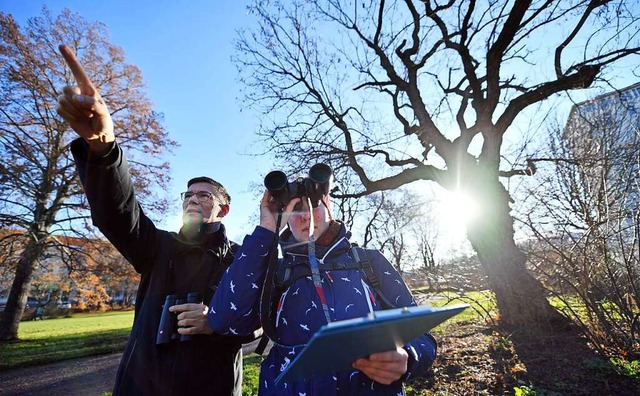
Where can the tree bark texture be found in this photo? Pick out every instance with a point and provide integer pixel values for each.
(20, 288)
(520, 297)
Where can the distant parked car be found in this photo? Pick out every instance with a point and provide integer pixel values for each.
(32, 302)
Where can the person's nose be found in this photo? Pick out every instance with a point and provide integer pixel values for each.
(193, 200)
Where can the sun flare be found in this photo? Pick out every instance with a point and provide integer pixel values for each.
(458, 209)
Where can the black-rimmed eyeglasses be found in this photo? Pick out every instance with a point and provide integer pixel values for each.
(203, 196)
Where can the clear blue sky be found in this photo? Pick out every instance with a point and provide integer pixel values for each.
(184, 49)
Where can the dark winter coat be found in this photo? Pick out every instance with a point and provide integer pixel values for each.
(206, 365)
(235, 310)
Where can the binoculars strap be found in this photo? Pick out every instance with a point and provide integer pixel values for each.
(315, 276)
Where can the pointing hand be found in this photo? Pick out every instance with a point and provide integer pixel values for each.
(83, 108)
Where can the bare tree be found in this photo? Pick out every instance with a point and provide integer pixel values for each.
(426, 244)
(40, 195)
(378, 88)
(585, 216)
(389, 226)
(399, 223)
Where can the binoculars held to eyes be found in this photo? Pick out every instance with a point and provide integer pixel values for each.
(314, 187)
(168, 328)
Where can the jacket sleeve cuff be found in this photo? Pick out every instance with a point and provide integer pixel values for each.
(80, 150)
(263, 235)
(411, 363)
(422, 352)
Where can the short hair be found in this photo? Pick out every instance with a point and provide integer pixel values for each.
(218, 189)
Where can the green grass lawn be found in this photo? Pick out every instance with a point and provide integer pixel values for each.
(481, 303)
(81, 335)
(51, 340)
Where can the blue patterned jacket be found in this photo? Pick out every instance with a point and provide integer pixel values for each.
(236, 304)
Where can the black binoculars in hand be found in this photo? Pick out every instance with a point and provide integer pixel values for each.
(168, 328)
(314, 187)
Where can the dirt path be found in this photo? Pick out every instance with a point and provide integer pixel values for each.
(87, 376)
(79, 377)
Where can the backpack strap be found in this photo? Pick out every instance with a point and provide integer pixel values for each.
(262, 344)
(366, 268)
(267, 304)
(298, 267)
(287, 271)
(271, 292)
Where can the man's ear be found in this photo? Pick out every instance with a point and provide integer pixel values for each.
(224, 210)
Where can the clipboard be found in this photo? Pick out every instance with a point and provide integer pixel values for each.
(337, 344)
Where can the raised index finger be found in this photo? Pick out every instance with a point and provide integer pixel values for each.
(85, 84)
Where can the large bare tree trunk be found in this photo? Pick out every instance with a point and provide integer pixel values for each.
(20, 290)
(520, 297)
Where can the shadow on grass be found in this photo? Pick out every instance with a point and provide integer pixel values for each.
(560, 363)
(479, 359)
(466, 365)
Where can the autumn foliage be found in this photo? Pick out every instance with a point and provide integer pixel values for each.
(40, 195)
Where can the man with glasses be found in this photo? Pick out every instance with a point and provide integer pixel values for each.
(170, 350)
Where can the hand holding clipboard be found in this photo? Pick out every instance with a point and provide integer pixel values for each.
(336, 345)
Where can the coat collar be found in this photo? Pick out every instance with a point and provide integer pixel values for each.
(211, 236)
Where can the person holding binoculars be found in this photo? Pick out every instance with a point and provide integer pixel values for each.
(321, 278)
(171, 349)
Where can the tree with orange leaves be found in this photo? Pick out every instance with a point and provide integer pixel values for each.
(40, 196)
